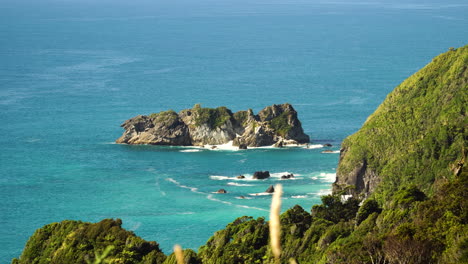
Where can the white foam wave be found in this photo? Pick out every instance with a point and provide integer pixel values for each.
(226, 146)
(211, 198)
(322, 192)
(299, 196)
(186, 213)
(190, 150)
(314, 146)
(244, 197)
(220, 178)
(238, 184)
(251, 207)
(260, 194)
(248, 177)
(328, 177)
(192, 189)
(331, 152)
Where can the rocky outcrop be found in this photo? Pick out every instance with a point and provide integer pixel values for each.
(275, 125)
(270, 189)
(165, 128)
(260, 175)
(287, 176)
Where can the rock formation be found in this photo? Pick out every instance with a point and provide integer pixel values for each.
(287, 176)
(260, 175)
(270, 189)
(274, 125)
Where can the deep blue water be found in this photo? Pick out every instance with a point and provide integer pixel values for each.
(71, 72)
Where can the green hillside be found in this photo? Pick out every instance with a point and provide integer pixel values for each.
(417, 135)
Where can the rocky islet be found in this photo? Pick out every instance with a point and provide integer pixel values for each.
(276, 125)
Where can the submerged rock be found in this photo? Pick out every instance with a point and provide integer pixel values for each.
(274, 125)
(240, 177)
(260, 175)
(221, 191)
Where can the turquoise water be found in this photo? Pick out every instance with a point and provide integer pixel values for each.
(71, 73)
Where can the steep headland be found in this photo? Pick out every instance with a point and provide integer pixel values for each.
(274, 125)
(405, 169)
(416, 136)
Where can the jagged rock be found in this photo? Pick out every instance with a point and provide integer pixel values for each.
(221, 191)
(279, 144)
(242, 146)
(260, 175)
(240, 177)
(276, 124)
(327, 145)
(165, 128)
(270, 189)
(287, 176)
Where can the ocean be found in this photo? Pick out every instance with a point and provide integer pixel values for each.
(71, 72)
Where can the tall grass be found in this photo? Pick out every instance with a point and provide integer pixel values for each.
(179, 254)
(275, 228)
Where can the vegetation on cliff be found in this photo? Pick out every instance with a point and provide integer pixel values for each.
(213, 117)
(417, 135)
(79, 242)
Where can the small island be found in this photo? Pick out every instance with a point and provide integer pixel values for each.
(275, 125)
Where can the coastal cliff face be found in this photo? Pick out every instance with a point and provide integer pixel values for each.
(276, 124)
(417, 135)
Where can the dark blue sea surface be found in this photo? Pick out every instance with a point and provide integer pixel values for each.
(72, 71)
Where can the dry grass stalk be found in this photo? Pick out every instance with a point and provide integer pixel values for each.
(275, 228)
(292, 261)
(179, 254)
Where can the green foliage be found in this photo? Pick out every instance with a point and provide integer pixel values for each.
(190, 257)
(78, 242)
(241, 117)
(369, 207)
(280, 124)
(334, 210)
(407, 196)
(213, 117)
(418, 134)
(242, 241)
(166, 117)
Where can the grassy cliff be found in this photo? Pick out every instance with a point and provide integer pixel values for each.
(416, 136)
